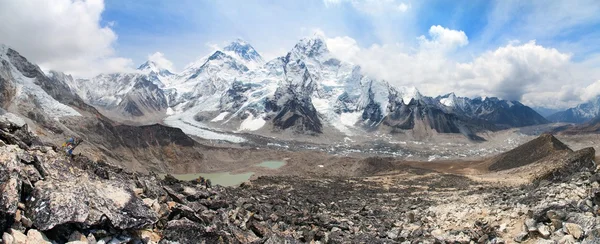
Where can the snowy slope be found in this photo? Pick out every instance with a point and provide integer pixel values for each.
(27, 92)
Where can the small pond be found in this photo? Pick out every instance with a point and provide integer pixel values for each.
(272, 164)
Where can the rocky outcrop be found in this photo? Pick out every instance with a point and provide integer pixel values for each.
(544, 146)
(48, 197)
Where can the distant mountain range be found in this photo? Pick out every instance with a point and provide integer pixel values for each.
(305, 91)
(580, 114)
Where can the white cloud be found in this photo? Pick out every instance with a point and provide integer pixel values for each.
(344, 47)
(444, 39)
(529, 72)
(512, 71)
(161, 61)
(62, 35)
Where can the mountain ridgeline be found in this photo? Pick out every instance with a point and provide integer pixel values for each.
(306, 91)
(582, 113)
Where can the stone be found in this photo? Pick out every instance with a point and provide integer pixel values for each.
(531, 225)
(148, 236)
(9, 200)
(393, 233)
(34, 236)
(19, 238)
(543, 230)
(26, 222)
(573, 229)
(77, 236)
(521, 237)
(86, 202)
(593, 235)
(186, 231)
(7, 238)
(568, 239)
(410, 216)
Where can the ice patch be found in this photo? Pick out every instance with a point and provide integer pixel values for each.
(321, 105)
(350, 119)
(220, 117)
(251, 123)
(170, 111)
(448, 102)
(198, 131)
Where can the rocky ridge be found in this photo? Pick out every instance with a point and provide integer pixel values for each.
(47, 197)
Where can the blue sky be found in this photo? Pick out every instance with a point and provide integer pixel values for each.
(543, 53)
(183, 30)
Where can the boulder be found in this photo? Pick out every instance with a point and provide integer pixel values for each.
(574, 230)
(34, 236)
(18, 237)
(186, 231)
(88, 202)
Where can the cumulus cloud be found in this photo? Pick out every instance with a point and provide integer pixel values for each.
(63, 35)
(161, 61)
(524, 71)
(344, 47)
(444, 39)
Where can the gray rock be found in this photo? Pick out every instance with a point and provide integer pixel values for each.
(521, 237)
(54, 203)
(543, 230)
(186, 231)
(574, 230)
(531, 225)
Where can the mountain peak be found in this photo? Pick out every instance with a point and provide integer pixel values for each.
(152, 67)
(449, 100)
(243, 50)
(312, 46)
(408, 93)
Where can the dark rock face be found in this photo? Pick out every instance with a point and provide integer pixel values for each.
(145, 96)
(298, 114)
(234, 97)
(544, 146)
(293, 110)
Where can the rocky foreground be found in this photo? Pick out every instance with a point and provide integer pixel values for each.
(47, 197)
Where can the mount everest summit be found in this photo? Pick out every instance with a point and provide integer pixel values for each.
(306, 91)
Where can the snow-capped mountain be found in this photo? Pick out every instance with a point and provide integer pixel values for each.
(499, 112)
(26, 88)
(124, 96)
(305, 91)
(579, 114)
